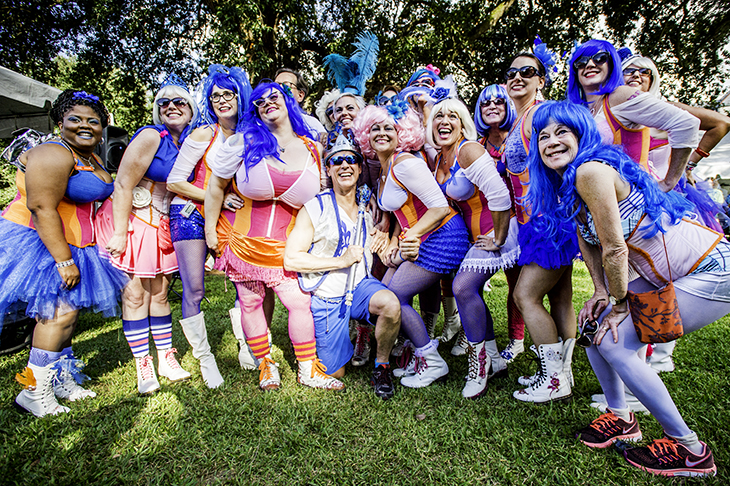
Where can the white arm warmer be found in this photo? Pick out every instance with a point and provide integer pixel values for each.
(483, 174)
(229, 158)
(414, 174)
(682, 127)
(190, 153)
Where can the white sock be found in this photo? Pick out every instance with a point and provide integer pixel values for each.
(622, 413)
(691, 442)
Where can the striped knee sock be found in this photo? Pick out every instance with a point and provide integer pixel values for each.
(138, 336)
(259, 345)
(161, 327)
(305, 351)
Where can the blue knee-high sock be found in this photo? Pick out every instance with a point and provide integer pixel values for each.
(161, 327)
(42, 358)
(138, 336)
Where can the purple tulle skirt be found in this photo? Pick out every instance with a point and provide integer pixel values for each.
(550, 253)
(445, 248)
(29, 278)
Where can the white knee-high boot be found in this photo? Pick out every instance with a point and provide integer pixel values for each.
(245, 357)
(552, 383)
(197, 335)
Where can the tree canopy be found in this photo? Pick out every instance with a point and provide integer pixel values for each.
(122, 50)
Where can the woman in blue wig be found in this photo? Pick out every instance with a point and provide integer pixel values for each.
(224, 94)
(49, 262)
(627, 221)
(274, 164)
(133, 229)
(546, 263)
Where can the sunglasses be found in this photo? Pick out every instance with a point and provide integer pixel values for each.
(598, 59)
(423, 83)
(338, 160)
(588, 330)
(225, 96)
(384, 100)
(525, 72)
(329, 111)
(642, 72)
(179, 102)
(495, 101)
(272, 98)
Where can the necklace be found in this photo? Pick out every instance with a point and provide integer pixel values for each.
(85, 159)
(596, 106)
(283, 149)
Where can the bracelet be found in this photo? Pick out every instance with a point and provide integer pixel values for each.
(402, 235)
(65, 263)
(701, 152)
(498, 245)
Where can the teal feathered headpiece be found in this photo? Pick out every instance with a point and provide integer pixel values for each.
(350, 75)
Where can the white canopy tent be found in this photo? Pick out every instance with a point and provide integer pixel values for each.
(24, 102)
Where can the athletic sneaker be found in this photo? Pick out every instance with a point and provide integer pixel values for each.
(607, 429)
(382, 382)
(667, 457)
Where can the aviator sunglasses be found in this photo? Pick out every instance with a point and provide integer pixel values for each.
(338, 160)
(179, 102)
(598, 59)
(589, 329)
(273, 97)
(225, 96)
(526, 72)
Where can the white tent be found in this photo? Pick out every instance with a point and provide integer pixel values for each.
(24, 102)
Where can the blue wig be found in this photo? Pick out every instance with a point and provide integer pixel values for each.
(494, 91)
(420, 72)
(615, 77)
(259, 142)
(233, 79)
(556, 199)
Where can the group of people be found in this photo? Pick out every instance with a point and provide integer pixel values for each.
(350, 217)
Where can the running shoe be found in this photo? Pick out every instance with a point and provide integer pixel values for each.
(667, 457)
(607, 429)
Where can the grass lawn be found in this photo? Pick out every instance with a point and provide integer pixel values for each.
(188, 434)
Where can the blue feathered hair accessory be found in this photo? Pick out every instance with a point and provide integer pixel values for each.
(350, 75)
(173, 80)
(444, 89)
(546, 57)
(397, 109)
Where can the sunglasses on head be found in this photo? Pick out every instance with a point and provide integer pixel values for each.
(525, 72)
(384, 100)
(642, 72)
(179, 102)
(598, 59)
(495, 101)
(338, 160)
(588, 330)
(225, 96)
(272, 98)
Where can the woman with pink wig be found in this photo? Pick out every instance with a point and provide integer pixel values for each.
(430, 239)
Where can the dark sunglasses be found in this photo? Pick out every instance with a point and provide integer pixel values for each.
(337, 160)
(384, 100)
(179, 102)
(589, 329)
(526, 72)
(226, 96)
(329, 111)
(642, 72)
(423, 83)
(273, 97)
(495, 101)
(598, 59)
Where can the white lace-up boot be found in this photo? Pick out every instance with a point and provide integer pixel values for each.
(146, 379)
(568, 347)
(429, 367)
(452, 321)
(38, 397)
(245, 357)
(361, 354)
(526, 380)
(479, 364)
(498, 367)
(552, 384)
(66, 384)
(429, 319)
(460, 345)
(513, 349)
(168, 366)
(312, 373)
(194, 330)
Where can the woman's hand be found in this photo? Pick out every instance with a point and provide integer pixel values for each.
(117, 245)
(593, 307)
(615, 316)
(211, 239)
(409, 247)
(486, 243)
(232, 202)
(379, 240)
(70, 276)
(389, 256)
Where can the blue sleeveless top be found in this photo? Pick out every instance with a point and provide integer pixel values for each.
(83, 185)
(515, 155)
(166, 154)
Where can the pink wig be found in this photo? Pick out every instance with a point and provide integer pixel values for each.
(409, 128)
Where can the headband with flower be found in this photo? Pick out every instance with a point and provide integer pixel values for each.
(85, 96)
(397, 109)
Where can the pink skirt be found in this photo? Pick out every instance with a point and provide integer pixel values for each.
(143, 256)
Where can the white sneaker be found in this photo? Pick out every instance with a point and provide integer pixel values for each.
(146, 379)
(460, 345)
(38, 397)
(168, 366)
(430, 367)
(312, 373)
(269, 378)
(66, 384)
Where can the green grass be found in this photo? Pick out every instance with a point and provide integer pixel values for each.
(188, 434)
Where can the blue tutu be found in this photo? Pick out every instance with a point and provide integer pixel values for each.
(445, 248)
(28, 277)
(550, 253)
